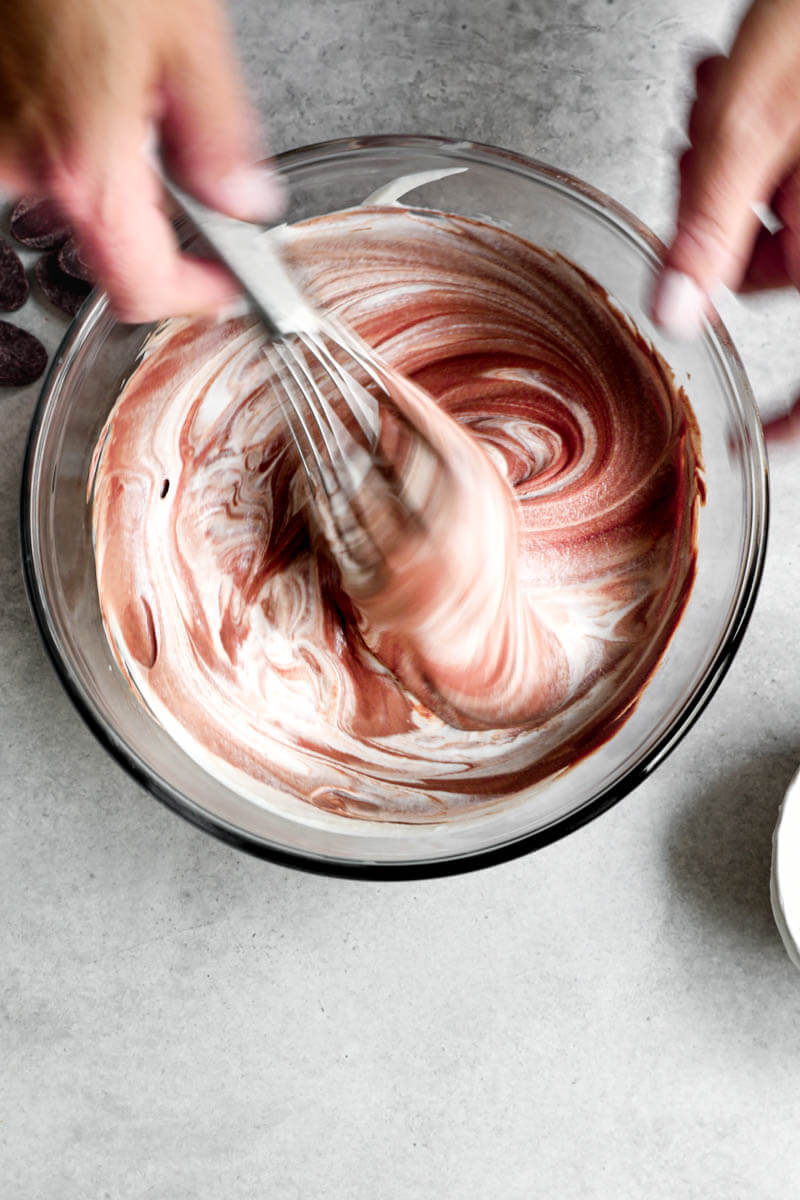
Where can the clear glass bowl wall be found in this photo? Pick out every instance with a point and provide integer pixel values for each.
(548, 208)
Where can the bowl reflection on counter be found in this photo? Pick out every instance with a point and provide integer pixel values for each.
(545, 207)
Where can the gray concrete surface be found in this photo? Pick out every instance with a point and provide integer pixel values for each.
(611, 1018)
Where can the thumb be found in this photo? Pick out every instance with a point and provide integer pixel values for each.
(209, 132)
(715, 233)
(743, 140)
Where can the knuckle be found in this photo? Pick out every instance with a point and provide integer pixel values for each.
(698, 122)
(708, 236)
(738, 126)
(754, 121)
(707, 247)
(132, 310)
(131, 302)
(707, 71)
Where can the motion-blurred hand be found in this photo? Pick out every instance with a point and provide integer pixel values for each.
(744, 133)
(83, 83)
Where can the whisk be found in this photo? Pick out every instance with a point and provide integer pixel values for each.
(369, 469)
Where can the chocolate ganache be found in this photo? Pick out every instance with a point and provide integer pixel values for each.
(522, 633)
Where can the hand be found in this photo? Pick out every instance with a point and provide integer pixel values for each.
(744, 132)
(83, 83)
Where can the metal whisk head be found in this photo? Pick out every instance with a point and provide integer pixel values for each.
(368, 468)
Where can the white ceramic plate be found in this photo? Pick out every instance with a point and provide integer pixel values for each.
(784, 889)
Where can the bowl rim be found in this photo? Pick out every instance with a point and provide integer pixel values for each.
(460, 862)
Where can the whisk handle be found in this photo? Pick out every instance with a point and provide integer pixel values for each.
(250, 253)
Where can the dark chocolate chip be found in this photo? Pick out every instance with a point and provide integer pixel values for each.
(13, 280)
(38, 224)
(61, 289)
(70, 261)
(23, 358)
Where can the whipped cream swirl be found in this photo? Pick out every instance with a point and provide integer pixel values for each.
(230, 619)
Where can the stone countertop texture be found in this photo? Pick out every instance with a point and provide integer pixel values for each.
(612, 1017)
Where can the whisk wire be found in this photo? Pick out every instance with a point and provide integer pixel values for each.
(363, 406)
(361, 495)
(334, 462)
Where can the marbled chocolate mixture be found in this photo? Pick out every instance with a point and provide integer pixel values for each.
(230, 619)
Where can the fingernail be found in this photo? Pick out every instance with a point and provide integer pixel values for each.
(252, 193)
(679, 305)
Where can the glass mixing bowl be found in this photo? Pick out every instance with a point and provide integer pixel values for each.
(548, 208)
